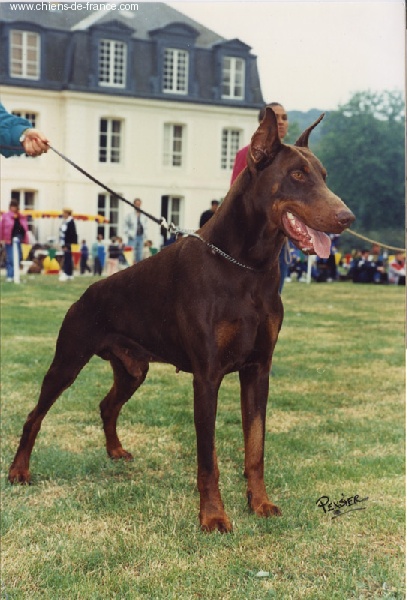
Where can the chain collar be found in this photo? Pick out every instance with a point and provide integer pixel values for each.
(218, 250)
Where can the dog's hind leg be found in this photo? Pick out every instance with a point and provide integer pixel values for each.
(128, 376)
(62, 373)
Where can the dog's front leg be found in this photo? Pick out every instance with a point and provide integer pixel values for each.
(212, 515)
(254, 383)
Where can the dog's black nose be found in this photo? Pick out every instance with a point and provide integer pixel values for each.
(345, 217)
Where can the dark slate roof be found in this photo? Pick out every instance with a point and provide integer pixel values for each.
(149, 16)
(69, 52)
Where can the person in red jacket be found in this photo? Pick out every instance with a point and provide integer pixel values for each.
(13, 225)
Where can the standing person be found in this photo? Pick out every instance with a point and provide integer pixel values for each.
(84, 258)
(67, 237)
(331, 262)
(17, 136)
(207, 214)
(241, 163)
(98, 255)
(135, 227)
(113, 251)
(13, 225)
(122, 258)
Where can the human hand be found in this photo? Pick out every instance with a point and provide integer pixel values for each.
(35, 143)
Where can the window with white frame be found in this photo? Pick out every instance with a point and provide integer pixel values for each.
(229, 148)
(110, 136)
(24, 54)
(25, 198)
(175, 76)
(112, 63)
(30, 116)
(233, 78)
(108, 206)
(173, 144)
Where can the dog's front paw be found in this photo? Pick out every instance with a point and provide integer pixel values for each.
(219, 523)
(16, 475)
(117, 453)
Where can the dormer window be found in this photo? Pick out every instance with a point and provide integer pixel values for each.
(176, 58)
(175, 76)
(112, 63)
(233, 78)
(24, 54)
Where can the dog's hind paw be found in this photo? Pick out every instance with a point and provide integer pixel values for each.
(267, 509)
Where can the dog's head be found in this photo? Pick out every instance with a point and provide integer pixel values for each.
(292, 191)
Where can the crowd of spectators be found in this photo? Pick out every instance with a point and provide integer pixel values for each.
(372, 265)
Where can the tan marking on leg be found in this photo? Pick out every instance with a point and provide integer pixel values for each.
(256, 490)
(254, 447)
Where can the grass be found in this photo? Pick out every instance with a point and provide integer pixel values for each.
(90, 528)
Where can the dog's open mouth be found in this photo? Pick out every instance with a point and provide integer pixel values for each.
(309, 240)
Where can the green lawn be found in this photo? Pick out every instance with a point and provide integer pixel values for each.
(89, 528)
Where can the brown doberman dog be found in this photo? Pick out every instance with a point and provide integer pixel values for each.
(208, 304)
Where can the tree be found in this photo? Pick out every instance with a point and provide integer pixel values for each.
(362, 147)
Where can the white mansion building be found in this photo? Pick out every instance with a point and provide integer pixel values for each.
(147, 100)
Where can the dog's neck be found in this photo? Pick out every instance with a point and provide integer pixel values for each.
(243, 231)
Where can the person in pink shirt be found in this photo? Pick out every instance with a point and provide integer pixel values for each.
(13, 225)
(282, 122)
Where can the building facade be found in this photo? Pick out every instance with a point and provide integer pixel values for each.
(146, 100)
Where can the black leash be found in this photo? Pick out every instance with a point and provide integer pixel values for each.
(170, 227)
(161, 221)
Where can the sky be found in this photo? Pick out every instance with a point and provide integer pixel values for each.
(314, 54)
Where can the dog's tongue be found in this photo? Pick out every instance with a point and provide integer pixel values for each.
(321, 242)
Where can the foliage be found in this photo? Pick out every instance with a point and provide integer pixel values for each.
(90, 528)
(299, 121)
(362, 147)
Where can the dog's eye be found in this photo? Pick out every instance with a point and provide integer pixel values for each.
(298, 175)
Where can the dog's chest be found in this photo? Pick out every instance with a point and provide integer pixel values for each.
(250, 328)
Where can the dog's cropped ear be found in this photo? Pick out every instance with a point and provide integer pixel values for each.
(302, 141)
(265, 142)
